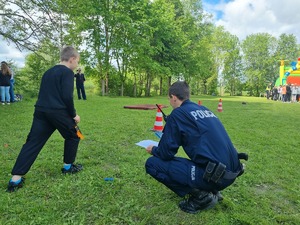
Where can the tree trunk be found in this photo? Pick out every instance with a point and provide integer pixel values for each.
(169, 82)
(122, 89)
(205, 87)
(107, 53)
(103, 87)
(160, 86)
(148, 85)
(134, 85)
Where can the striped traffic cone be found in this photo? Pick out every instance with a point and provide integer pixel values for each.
(220, 108)
(158, 124)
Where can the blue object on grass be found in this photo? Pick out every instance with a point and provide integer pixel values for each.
(108, 178)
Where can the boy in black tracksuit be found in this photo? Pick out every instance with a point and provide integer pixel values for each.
(54, 109)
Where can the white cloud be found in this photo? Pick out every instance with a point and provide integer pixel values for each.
(245, 17)
(8, 52)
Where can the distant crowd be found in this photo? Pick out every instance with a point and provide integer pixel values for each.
(289, 93)
(6, 84)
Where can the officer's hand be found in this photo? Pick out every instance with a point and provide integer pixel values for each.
(77, 119)
(149, 149)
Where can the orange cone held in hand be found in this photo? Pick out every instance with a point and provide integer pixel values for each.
(220, 108)
(158, 124)
(78, 132)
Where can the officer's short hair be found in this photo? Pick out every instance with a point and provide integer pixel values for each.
(180, 89)
(67, 53)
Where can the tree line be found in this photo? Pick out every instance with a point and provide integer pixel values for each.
(138, 48)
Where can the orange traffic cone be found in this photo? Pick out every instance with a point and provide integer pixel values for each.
(220, 108)
(199, 102)
(158, 124)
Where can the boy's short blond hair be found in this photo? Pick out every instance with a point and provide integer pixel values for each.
(67, 53)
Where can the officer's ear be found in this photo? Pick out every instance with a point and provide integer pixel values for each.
(174, 97)
(171, 97)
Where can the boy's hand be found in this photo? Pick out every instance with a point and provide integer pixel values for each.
(77, 119)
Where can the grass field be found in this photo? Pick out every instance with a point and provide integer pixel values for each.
(268, 192)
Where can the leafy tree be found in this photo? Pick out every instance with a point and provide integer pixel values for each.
(132, 47)
(128, 42)
(287, 48)
(227, 59)
(259, 50)
(196, 55)
(36, 64)
(110, 32)
(200, 68)
(164, 43)
(233, 68)
(27, 29)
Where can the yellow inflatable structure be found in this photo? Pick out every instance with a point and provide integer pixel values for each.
(294, 71)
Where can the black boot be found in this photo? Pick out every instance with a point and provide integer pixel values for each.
(219, 195)
(198, 201)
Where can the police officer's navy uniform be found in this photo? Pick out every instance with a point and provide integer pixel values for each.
(204, 139)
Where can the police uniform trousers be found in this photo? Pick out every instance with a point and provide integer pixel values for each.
(43, 125)
(181, 175)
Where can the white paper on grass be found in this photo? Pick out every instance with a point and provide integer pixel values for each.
(146, 143)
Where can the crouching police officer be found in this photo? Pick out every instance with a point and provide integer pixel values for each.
(213, 162)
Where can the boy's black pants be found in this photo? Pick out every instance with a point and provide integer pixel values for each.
(43, 125)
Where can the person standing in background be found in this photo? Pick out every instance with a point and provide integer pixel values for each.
(5, 76)
(288, 93)
(280, 93)
(275, 93)
(294, 93)
(283, 92)
(298, 94)
(12, 86)
(268, 91)
(80, 84)
(12, 83)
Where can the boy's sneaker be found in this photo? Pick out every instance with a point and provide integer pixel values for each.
(13, 186)
(75, 168)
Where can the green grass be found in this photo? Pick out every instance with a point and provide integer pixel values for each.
(268, 192)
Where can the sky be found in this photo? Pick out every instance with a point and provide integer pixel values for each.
(246, 17)
(239, 17)
(8, 52)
